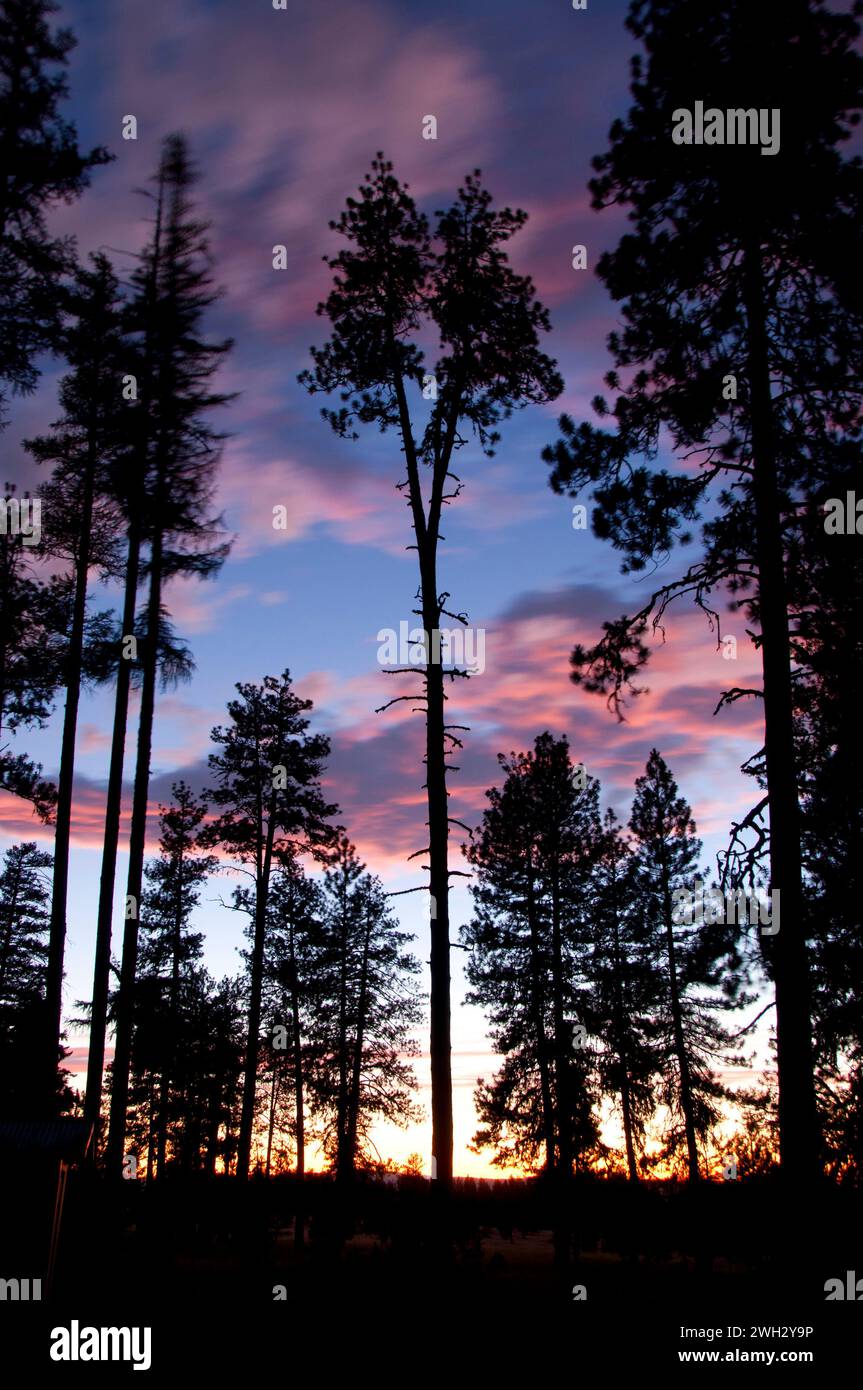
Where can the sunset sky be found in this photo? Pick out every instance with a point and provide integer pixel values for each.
(284, 110)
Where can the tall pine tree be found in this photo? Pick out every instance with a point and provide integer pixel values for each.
(534, 855)
(184, 535)
(267, 786)
(366, 1010)
(81, 523)
(696, 962)
(24, 926)
(392, 285)
(741, 338)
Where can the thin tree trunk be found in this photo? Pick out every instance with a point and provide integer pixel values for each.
(539, 1026)
(272, 1122)
(626, 1106)
(151, 1129)
(137, 842)
(679, 1039)
(250, 1079)
(8, 573)
(626, 1097)
(440, 1045)
(113, 807)
(63, 820)
(622, 1052)
(561, 1057)
(356, 1078)
(171, 1025)
(162, 1126)
(342, 1103)
(299, 1103)
(798, 1119)
(562, 1233)
(212, 1134)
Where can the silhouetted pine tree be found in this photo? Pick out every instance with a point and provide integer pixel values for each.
(24, 927)
(827, 572)
(391, 283)
(80, 524)
(170, 948)
(366, 1009)
(268, 786)
(184, 536)
(42, 166)
(696, 960)
(534, 855)
(293, 951)
(208, 1083)
(742, 310)
(206, 1067)
(32, 626)
(129, 478)
(624, 977)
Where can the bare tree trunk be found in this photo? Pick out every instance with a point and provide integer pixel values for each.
(679, 1039)
(102, 962)
(798, 1118)
(356, 1078)
(137, 841)
(299, 1097)
(537, 1010)
(427, 532)
(167, 1077)
(562, 1087)
(212, 1135)
(342, 1102)
(299, 1109)
(250, 1078)
(151, 1129)
(440, 1045)
(162, 1124)
(272, 1123)
(63, 821)
(622, 1053)
(626, 1106)
(561, 1051)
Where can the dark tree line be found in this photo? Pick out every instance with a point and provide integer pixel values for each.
(595, 990)
(327, 985)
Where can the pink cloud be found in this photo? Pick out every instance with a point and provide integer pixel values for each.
(376, 769)
(354, 507)
(376, 772)
(292, 109)
(198, 606)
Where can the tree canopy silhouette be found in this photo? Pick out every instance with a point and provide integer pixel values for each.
(741, 338)
(393, 283)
